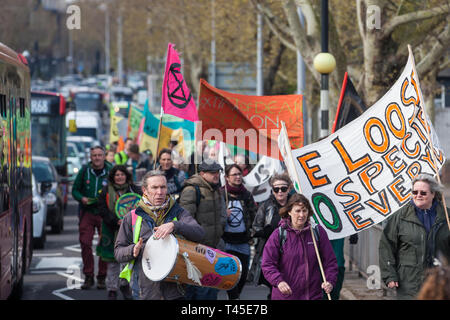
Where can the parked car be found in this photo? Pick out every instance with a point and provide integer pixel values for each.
(50, 188)
(84, 144)
(75, 159)
(39, 217)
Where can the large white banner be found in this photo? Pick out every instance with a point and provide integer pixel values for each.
(257, 181)
(361, 174)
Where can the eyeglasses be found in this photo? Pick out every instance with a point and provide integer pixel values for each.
(422, 193)
(235, 175)
(278, 189)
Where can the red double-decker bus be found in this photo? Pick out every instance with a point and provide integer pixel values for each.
(15, 172)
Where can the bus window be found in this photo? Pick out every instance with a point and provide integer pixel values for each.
(44, 141)
(48, 138)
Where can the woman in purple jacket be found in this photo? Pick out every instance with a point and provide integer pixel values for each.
(294, 271)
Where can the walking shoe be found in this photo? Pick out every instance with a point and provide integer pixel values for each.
(112, 295)
(126, 291)
(101, 282)
(88, 282)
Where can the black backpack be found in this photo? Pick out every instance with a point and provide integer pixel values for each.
(283, 232)
(198, 195)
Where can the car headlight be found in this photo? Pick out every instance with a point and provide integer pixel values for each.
(75, 170)
(36, 204)
(50, 198)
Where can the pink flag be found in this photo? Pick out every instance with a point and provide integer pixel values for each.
(176, 97)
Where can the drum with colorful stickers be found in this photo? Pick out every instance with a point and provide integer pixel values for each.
(126, 203)
(182, 261)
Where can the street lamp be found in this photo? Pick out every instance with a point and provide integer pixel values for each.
(104, 7)
(324, 63)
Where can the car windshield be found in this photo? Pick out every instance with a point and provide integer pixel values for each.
(122, 96)
(71, 151)
(42, 171)
(82, 145)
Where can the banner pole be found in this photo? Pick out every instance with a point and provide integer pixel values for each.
(289, 155)
(222, 145)
(319, 259)
(159, 136)
(429, 135)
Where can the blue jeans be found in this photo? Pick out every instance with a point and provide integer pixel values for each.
(201, 293)
(135, 284)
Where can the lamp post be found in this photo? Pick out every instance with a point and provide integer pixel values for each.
(259, 57)
(213, 44)
(119, 47)
(301, 86)
(104, 7)
(324, 63)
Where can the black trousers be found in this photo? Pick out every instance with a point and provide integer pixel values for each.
(245, 260)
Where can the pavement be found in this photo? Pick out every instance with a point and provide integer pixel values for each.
(356, 287)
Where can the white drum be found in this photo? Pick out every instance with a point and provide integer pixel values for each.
(159, 257)
(184, 261)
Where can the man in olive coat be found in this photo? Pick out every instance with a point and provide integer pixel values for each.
(201, 196)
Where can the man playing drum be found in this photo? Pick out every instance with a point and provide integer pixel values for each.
(160, 216)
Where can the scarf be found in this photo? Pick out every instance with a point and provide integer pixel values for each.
(156, 213)
(114, 192)
(427, 216)
(236, 190)
(170, 173)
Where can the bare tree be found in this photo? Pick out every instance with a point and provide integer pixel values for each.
(381, 49)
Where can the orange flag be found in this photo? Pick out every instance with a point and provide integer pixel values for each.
(249, 122)
(120, 144)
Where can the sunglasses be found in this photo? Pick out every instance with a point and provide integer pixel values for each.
(278, 189)
(422, 193)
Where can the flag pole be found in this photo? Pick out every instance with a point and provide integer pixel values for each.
(429, 136)
(289, 155)
(318, 258)
(194, 158)
(159, 136)
(224, 166)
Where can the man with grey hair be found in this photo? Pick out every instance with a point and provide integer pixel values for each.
(86, 188)
(413, 238)
(157, 215)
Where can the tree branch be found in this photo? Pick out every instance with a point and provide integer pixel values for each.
(312, 25)
(437, 51)
(390, 26)
(274, 20)
(362, 33)
(289, 44)
(308, 50)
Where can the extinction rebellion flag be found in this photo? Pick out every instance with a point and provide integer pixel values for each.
(361, 174)
(176, 97)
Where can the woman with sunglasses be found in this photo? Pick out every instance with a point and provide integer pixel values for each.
(266, 221)
(413, 238)
(240, 214)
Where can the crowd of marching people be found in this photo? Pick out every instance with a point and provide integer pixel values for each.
(293, 256)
